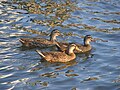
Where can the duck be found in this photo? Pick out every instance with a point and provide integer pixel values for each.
(84, 47)
(58, 56)
(41, 42)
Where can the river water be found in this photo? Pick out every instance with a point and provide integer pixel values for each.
(21, 68)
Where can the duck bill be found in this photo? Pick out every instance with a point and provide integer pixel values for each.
(93, 40)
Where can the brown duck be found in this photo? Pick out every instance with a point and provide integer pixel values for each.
(41, 42)
(59, 56)
(84, 48)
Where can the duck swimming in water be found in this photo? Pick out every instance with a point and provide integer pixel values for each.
(58, 56)
(41, 42)
(83, 47)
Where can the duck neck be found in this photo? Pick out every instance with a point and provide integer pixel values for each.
(53, 37)
(86, 42)
(70, 51)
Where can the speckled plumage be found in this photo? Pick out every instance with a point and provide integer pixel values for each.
(59, 56)
(40, 42)
(85, 47)
(36, 42)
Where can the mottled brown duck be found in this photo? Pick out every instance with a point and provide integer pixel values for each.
(41, 42)
(58, 56)
(83, 47)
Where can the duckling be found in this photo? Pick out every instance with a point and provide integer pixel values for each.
(59, 56)
(84, 48)
(41, 42)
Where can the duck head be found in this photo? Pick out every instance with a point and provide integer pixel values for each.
(71, 48)
(54, 34)
(88, 39)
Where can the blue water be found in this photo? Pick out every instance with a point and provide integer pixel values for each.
(21, 68)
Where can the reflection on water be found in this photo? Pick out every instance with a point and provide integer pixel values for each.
(22, 68)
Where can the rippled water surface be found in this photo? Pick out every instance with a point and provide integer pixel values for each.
(21, 68)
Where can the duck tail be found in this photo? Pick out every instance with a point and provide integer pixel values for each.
(22, 40)
(40, 53)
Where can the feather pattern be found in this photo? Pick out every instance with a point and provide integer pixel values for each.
(40, 42)
(84, 47)
(59, 56)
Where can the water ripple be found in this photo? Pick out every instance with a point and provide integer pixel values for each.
(22, 68)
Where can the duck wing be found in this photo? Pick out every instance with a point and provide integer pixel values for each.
(36, 42)
(84, 48)
(57, 57)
